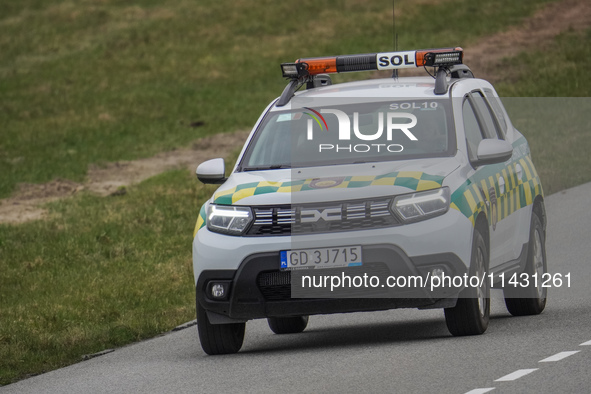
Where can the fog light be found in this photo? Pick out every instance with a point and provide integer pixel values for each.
(218, 290)
(438, 272)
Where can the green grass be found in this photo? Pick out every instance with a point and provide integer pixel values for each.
(100, 273)
(92, 82)
(557, 71)
(547, 97)
(557, 129)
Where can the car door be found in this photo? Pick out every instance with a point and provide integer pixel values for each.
(514, 200)
(494, 181)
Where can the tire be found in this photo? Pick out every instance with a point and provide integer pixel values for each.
(530, 300)
(471, 314)
(219, 338)
(288, 325)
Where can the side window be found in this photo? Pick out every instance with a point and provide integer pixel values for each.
(472, 129)
(497, 108)
(490, 125)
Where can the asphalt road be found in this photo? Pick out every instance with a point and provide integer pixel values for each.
(399, 351)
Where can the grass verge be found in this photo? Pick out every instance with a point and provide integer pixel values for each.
(547, 97)
(100, 273)
(96, 82)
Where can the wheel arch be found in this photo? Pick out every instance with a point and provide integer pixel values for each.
(540, 210)
(481, 225)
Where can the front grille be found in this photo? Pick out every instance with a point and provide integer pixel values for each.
(321, 218)
(276, 285)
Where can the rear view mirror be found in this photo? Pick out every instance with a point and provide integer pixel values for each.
(493, 151)
(212, 171)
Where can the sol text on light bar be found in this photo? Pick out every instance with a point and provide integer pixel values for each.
(442, 57)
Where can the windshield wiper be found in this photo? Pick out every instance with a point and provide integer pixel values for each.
(365, 161)
(272, 167)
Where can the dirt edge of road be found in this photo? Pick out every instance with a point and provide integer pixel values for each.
(26, 203)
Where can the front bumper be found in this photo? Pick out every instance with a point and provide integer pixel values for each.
(258, 289)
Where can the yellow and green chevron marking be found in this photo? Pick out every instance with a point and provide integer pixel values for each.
(414, 180)
(200, 220)
(470, 199)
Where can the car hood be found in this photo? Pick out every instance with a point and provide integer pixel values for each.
(334, 183)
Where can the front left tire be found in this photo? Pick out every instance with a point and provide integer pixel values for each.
(219, 338)
(471, 314)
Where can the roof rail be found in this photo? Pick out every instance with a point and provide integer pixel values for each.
(457, 71)
(318, 81)
(314, 81)
(289, 91)
(460, 71)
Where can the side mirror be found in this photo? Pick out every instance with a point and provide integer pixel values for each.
(212, 171)
(492, 151)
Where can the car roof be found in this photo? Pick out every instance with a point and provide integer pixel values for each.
(385, 88)
(404, 87)
(408, 87)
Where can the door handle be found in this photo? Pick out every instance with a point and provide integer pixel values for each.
(519, 171)
(502, 185)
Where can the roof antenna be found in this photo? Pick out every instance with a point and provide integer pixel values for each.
(395, 36)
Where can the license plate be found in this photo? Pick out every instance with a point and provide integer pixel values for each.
(343, 256)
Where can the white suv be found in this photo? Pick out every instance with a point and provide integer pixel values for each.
(419, 184)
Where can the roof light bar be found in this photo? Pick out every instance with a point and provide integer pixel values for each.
(443, 59)
(373, 61)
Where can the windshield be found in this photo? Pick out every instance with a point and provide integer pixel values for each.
(352, 133)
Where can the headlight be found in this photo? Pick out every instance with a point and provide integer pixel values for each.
(421, 205)
(228, 219)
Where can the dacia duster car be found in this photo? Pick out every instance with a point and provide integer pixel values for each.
(421, 178)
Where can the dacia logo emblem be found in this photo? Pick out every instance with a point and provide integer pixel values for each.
(314, 215)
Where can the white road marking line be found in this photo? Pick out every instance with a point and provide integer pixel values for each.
(480, 391)
(522, 372)
(516, 375)
(559, 356)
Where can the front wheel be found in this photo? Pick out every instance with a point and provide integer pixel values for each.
(530, 300)
(471, 314)
(288, 325)
(219, 338)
